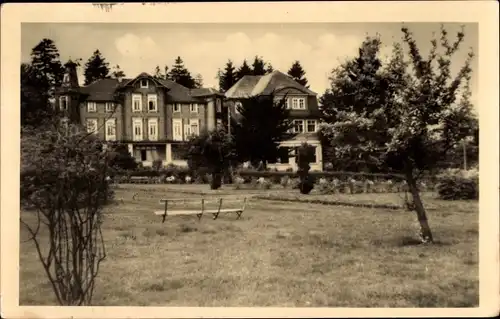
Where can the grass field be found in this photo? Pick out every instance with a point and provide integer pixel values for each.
(278, 254)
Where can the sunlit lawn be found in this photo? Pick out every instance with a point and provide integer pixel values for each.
(277, 254)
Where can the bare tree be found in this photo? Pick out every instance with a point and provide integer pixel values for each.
(63, 191)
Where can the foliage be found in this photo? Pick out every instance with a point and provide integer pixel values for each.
(117, 72)
(120, 158)
(243, 70)
(181, 75)
(263, 123)
(259, 67)
(212, 150)
(227, 78)
(459, 185)
(64, 179)
(39, 79)
(96, 68)
(402, 116)
(159, 75)
(198, 80)
(304, 157)
(298, 74)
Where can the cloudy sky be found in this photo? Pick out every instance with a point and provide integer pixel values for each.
(206, 47)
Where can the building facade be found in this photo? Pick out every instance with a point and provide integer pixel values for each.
(304, 112)
(154, 117)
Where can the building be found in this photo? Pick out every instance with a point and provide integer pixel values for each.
(153, 116)
(304, 112)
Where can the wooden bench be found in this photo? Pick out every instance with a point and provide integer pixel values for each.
(225, 205)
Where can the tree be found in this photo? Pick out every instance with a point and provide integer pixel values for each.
(120, 157)
(63, 191)
(96, 68)
(258, 66)
(263, 123)
(243, 70)
(213, 150)
(117, 72)
(198, 81)
(403, 116)
(227, 78)
(180, 74)
(157, 74)
(298, 73)
(269, 68)
(39, 79)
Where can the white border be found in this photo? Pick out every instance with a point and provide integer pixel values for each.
(483, 12)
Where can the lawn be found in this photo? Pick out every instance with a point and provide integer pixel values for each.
(278, 254)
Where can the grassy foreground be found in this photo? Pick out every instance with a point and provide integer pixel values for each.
(278, 254)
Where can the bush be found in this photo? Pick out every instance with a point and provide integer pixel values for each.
(458, 185)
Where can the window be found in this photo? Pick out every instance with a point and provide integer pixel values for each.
(177, 107)
(311, 126)
(187, 132)
(302, 103)
(110, 107)
(194, 108)
(177, 129)
(195, 127)
(66, 78)
(219, 123)
(137, 129)
(63, 103)
(219, 105)
(298, 126)
(287, 103)
(144, 83)
(136, 103)
(152, 103)
(153, 129)
(91, 126)
(110, 130)
(91, 107)
(144, 155)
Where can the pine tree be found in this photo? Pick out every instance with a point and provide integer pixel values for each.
(198, 81)
(96, 68)
(227, 78)
(157, 74)
(258, 66)
(298, 73)
(269, 68)
(263, 123)
(117, 72)
(243, 70)
(39, 79)
(181, 75)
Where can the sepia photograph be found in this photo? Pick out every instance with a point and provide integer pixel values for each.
(249, 164)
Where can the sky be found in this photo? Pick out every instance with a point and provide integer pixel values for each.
(206, 47)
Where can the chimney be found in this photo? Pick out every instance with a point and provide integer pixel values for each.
(119, 78)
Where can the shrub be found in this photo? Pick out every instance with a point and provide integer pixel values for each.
(458, 185)
(284, 181)
(305, 154)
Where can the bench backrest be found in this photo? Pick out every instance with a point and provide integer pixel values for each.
(204, 203)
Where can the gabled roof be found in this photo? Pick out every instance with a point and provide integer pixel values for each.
(252, 85)
(104, 89)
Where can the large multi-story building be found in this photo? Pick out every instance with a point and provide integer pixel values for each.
(304, 112)
(153, 116)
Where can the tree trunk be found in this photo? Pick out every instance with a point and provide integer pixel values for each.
(425, 230)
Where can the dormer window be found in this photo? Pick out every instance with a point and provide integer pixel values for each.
(65, 78)
(237, 106)
(144, 83)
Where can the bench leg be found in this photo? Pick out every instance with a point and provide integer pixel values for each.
(239, 214)
(215, 215)
(199, 216)
(164, 217)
